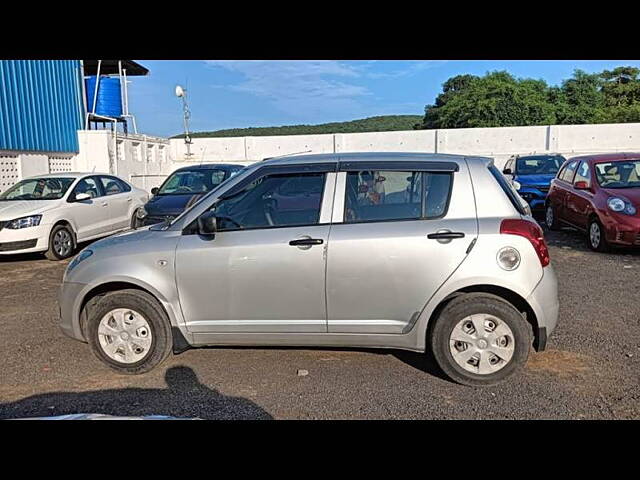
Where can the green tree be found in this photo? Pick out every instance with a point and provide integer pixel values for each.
(579, 99)
(495, 100)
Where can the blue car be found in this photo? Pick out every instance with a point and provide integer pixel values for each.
(534, 174)
(181, 190)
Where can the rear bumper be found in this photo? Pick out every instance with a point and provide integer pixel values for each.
(545, 304)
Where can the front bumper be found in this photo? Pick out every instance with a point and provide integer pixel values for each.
(24, 240)
(534, 197)
(623, 230)
(68, 304)
(545, 304)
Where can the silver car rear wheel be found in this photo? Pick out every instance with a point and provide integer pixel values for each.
(125, 335)
(482, 344)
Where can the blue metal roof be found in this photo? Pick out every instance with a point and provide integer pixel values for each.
(41, 105)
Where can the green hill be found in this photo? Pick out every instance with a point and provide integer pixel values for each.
(384, 123)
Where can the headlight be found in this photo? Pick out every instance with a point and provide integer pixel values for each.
(141, 213)
(83, 255)
(24, 222)
(621, 206)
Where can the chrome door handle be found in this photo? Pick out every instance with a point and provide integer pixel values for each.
(129, 199)
(301, 242)
(445, 235)
(105, 204)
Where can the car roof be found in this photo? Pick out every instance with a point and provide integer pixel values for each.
(69, 175)
(608, 157)
(365, 157)
(210, 166)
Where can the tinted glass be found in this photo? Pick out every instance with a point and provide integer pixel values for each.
(87, 185)
(38, 189)
(583, 174)
(508, 189)
(273, 201)
(111, 186)
(384, 195)
(192, 181)
(539, 165)
(567, 174)
(618, 174)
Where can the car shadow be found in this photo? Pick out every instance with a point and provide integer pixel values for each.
(184, 397)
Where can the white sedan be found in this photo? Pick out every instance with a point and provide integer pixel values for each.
(53, 213)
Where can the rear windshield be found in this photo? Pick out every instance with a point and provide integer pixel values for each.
(508, 190)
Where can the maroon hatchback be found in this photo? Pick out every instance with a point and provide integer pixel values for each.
(600, 195)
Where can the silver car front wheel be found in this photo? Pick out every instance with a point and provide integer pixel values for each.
(125, 335)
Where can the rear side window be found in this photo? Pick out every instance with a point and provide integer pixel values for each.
(508, 190)
(373, 196)
(583, 174)
(567, 174)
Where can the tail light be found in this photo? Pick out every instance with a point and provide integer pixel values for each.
(532, 232)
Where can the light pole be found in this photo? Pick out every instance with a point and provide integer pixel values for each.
(182, 93)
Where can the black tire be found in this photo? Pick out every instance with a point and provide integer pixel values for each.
(479, 303)
(550, 212)
(135, 222)
(57, 251)
(147, 306)
(602, 245)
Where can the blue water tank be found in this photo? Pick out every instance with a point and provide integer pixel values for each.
(109, 98)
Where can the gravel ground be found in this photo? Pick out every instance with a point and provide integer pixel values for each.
(590, 369)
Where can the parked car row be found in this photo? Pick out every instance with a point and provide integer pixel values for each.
(596, 194)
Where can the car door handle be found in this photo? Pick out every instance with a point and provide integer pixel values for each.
(105, 204)
(301, 242)
(129, 199)
(445, 235)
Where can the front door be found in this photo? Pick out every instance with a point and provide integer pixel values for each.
(401, 237)
(91, 217)
(264, 271)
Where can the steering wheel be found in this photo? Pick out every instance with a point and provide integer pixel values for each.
(185, 189)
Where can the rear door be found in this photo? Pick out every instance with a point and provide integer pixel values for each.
(578, 204)
(564, 185)
(118, 195)
(399, 230)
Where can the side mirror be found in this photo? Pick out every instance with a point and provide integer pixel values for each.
(507, 171)
(154, 190)
(81, 197)
(207, 224)
(581, 185)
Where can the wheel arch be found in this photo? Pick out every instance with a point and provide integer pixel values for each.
(511, 297)
(98, 291)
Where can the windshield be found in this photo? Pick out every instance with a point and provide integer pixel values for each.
(38, 189)
(618, 174)
(539, 165)
(191, 181)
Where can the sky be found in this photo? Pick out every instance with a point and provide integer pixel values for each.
(264, 93)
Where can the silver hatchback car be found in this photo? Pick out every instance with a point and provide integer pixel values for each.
(422, 252)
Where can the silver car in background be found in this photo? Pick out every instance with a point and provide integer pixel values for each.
(422, 252)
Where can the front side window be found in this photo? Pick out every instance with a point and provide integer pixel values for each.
(191, 182)
(38, 189)
(618, 174)
(372, 196)
(583, 174)
(280, 200)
